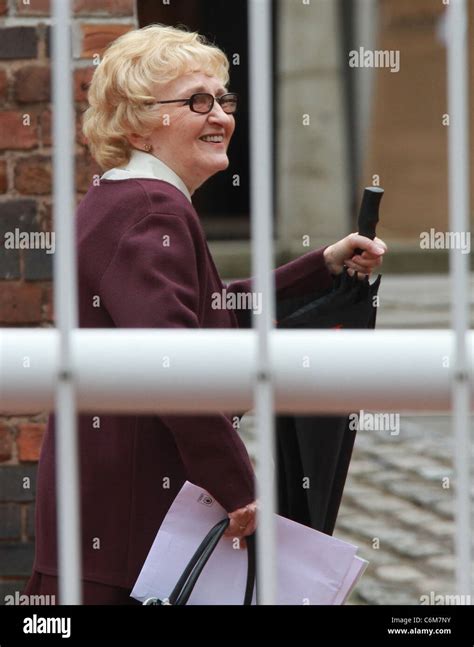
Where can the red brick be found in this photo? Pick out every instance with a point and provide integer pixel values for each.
(82, 78)
(20, 303)
(29, 440)
(45, 216)
(95, 38)
(3, 177)
(18, 42)
(86, 168)
(32, 83)
(107, 7)
(80, 137)
(48, 305)
(3, 84)
(33, 175)
(6, 443)
(45, 128)
(15, 133)
(33, 8)
(3, 7)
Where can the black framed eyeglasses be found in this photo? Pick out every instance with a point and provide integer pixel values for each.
(203, 103)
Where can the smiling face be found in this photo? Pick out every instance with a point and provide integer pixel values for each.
(178, 139)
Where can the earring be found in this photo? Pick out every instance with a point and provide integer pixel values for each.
(148, 148)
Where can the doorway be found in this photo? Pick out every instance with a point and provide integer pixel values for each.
(223, 202)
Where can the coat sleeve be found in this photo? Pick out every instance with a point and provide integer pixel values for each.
(303, 275)
(152, 282)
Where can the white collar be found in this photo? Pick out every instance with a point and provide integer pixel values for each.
(145, 165)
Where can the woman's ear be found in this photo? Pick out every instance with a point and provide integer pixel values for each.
(137, 141)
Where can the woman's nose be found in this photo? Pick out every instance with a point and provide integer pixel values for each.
(218, 114)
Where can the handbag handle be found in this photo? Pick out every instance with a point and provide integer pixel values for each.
(186, 583)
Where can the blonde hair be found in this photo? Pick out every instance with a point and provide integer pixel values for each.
(122, 84)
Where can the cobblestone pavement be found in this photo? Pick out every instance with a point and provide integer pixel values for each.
(398, 508)
(398, 502)
(397, 485)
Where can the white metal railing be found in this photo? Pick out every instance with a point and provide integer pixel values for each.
(261, 192)
(458, 155)
(389, 370)
(400, 370)
(65, 306)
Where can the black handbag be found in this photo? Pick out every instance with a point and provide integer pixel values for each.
(186, 583)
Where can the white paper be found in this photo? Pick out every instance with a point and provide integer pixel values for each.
(313, 568)
(353, 575)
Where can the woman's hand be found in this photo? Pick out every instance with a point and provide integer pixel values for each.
(243, 522)
(342, 253)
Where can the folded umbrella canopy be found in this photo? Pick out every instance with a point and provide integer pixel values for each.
(314, 452)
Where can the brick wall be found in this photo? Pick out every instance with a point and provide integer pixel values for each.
(25, 204)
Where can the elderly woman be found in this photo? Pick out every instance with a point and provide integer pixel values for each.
(160, 121)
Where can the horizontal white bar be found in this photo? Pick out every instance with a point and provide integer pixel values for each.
(148, 371)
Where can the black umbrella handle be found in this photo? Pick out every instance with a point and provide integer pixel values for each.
(369, 213)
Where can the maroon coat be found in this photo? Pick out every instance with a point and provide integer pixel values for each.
(143, 253)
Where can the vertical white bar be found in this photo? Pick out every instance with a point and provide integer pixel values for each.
(458, 138)
(262, 266)
(366, 16)
(65, 305)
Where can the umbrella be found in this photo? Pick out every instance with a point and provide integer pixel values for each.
(313, 453)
